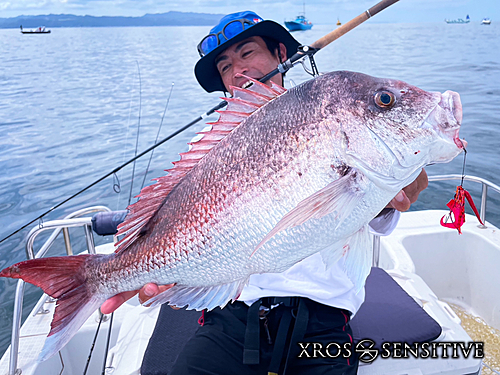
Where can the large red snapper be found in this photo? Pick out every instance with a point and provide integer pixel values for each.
(280, 177)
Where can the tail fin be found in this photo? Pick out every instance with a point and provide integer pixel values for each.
(65, 279)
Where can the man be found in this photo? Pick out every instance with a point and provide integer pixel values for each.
(306, 303)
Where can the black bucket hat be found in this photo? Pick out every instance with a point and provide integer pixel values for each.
(205, 70)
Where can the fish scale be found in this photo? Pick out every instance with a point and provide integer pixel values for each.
(280, 176)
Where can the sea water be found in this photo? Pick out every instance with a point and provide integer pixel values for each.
(71, 103)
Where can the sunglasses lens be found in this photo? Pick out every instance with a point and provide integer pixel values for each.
(208, 44)
(232, 29)
(229, 31)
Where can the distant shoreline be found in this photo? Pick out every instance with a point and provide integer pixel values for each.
(69, 20)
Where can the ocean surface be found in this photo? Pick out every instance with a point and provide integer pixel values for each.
(71, 103)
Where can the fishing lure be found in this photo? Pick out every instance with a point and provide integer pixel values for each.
(457, 204)
(457, 210)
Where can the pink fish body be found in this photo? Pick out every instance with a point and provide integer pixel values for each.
(281, 176)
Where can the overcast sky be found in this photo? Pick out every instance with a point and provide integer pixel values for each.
(318, 11)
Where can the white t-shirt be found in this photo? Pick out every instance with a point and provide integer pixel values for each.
(309, 278)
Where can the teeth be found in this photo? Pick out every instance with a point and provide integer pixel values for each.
(247, 84)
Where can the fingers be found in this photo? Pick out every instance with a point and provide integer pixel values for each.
(145, 293)
(114, 302)
(148, 291)
(151, 290)
(416, 187)
(403, 200)
(400, 202)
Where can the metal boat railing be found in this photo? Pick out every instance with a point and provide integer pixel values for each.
(482, 211)
(70, 221)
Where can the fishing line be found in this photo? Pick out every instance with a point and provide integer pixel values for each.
(126, 142)
(116, 184)
(107, 344)
(463, 167)
(62, 363)
(137, 137)
(157, 134)
(490, 368)
(177, 132)
(93, 344)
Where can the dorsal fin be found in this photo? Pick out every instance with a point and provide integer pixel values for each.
(243, 103)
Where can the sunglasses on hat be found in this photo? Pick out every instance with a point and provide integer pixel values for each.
(230, 30)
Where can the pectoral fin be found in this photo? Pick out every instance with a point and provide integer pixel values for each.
(358, 252)
(339, 197)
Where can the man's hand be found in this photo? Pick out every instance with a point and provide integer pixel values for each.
(409, 194)
(145, 293)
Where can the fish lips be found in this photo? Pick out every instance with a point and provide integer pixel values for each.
(446, 117)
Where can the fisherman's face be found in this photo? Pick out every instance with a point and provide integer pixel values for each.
(251, 58)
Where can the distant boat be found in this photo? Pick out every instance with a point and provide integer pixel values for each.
(39, 30)
(460, 20)
(300, 22)
(338, 22)
(486, 21)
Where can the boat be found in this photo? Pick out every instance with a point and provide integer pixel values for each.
(449, 279)
(459, 20)
(39, 30)
(486, 21)
(300, 22)
(338, 22)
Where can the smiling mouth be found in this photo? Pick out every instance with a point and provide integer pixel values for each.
(247, 84)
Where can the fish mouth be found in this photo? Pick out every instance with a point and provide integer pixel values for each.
(450, 101)
(446, 117)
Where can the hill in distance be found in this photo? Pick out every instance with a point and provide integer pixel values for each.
(69, 20)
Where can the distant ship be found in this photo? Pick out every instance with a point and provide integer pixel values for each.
(486, 21)
(460, 20)
(300, 22)
(39, 30)
(338, 22)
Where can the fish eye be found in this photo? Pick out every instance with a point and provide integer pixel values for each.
(384, 99)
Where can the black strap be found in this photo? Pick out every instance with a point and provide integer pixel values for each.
(299, 331)
(252, 335)
(280, 341)
(301, 315)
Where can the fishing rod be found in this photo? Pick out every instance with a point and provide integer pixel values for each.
(282, 68)
(328, 38)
